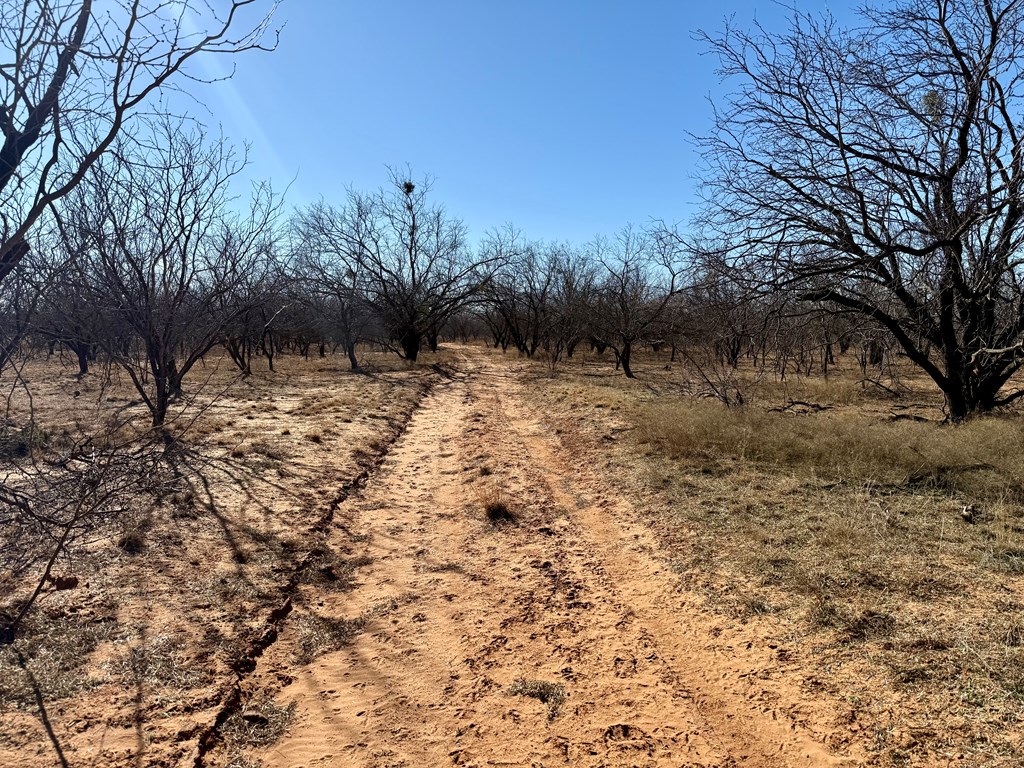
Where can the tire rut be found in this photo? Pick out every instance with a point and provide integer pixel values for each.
(569, 601)
(245, 663)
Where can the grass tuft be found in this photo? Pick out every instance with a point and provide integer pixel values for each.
(497, 509)
(550, 693)
(259, 724)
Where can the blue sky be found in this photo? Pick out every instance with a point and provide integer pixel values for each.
(566, 118)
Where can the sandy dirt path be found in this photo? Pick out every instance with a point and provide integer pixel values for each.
(456, 609)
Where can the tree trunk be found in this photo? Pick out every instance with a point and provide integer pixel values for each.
(624, 357)
(160, 401)
(410, 342)
(82, 353)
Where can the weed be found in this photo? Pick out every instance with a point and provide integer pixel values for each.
(324, 567)
(552, 694)
(497, 508)
(18, 442)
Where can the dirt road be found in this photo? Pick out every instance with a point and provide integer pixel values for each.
(571, 600)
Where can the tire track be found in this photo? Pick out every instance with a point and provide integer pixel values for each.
(571, 598)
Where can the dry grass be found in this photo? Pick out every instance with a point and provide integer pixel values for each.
(318, 634)
(550, 693)
(55, 647)
(983, 459)
(497, 508)
(164, 660)
(259, 724)
(327, 569)
(888, 552)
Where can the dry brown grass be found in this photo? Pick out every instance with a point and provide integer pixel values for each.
(318, 634)
(550, 693)
(888, 551)
(165, 660)
(982, 459)
(497, 508)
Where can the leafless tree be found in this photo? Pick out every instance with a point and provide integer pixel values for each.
(574, 285)
(410, 259)
(164, 257)
(638, 278)
(328, 269)
(74, 72)
(880, 170)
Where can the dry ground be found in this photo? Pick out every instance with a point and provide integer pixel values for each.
(136, 664)
(886, 548)
(486, 564)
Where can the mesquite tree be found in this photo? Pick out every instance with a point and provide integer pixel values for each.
(880, 170)
(164, 257)
(73, 73)
(410, 260)
(638, 278)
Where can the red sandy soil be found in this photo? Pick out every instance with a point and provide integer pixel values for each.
(454, 617)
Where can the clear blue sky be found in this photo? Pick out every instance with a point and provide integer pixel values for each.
(566, 118)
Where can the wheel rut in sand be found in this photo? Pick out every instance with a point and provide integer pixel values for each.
(572, 601)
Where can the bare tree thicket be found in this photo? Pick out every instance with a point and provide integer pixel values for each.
(19, 298)
(162, 256)
(879, 170)
(73, 74)
(538, 299)
(329, 272)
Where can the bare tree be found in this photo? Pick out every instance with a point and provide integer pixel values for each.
(164, 257)
(880, 170)
(638, 280)
(410, 260)
(327, 266)
(73, 72)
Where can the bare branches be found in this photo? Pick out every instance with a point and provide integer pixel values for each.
(880, 170)
(407, 259)
(72, 75)
(163, 257)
